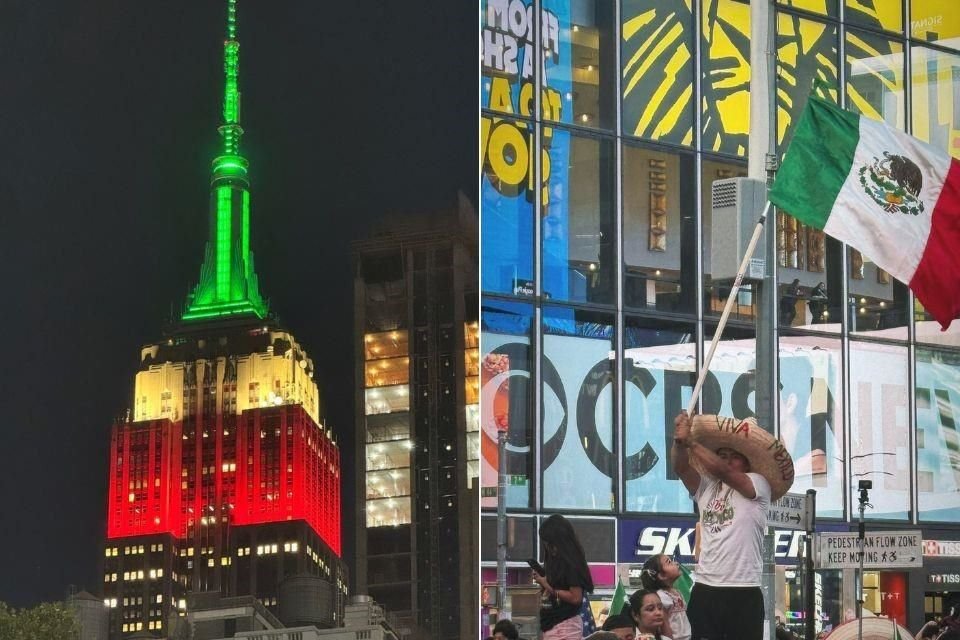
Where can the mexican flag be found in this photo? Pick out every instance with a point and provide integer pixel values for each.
(894, 198)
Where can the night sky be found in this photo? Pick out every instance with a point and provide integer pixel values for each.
(108, 116)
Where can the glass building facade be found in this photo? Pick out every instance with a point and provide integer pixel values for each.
(604, 124)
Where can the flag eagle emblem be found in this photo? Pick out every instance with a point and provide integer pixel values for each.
(894, 183)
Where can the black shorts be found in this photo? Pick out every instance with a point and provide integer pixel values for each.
(725, 613)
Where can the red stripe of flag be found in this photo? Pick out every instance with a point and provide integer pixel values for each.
(936, 282)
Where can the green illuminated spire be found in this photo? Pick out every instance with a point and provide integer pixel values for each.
(228, 284)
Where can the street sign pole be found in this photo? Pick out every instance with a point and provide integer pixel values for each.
(501, 521)
(808, 577)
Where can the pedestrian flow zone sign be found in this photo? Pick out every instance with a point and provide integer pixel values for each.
(789, 512)
(882, 550)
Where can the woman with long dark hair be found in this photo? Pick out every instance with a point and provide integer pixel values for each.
(647, 611)
(565, 581)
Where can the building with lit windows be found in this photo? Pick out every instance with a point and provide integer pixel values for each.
(222, 477)
(604, 125)
(415, 314)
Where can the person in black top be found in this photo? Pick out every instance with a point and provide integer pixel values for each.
(566, 582)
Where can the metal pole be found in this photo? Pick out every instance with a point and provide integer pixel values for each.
(501, 521)
(808, 578)
(864, 503)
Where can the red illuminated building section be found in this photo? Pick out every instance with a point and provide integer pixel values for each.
(263, 466)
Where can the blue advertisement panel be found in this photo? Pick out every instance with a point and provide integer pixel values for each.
(640, 538)
(509, 57)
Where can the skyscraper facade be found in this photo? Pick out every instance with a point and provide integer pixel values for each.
(605, 127)
(416, 331)
(222, 476)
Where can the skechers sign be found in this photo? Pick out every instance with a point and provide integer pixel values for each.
(641, 539)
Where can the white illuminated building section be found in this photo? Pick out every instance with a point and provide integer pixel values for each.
(471, 394)
(387, 408)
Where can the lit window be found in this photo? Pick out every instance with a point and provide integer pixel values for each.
(153, 574)
(190, 551)
(140, 550)
(106, 577)
(273, 548)
(259, 549)
(126, 551)
(107, 552)
(139, 626)
(126, 575)
(159, 598)
(294, 546)
(140, 575)
(159, 546)
(159, 573)
(125, 628)
(182, 604)
(210, 562)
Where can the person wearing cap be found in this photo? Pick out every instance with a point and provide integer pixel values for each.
(726, 602)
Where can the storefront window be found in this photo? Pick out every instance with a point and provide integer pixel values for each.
(656, 60)
(659, 227)
(658, 361)
(725, 76)
(506, 400)
(879, 421)
(811, 420)
(938, 443)
(577, 455)
(579, 61)
(507, 196)
(577, 230)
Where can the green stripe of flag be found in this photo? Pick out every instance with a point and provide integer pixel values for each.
(817, 162)
(619, 598)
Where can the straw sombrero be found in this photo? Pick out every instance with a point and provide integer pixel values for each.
(873, 629)
(766, 454)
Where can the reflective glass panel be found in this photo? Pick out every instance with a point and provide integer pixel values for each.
(938, 442)
(936, 98)
(879, 428)
(578, 451)
(822, 7)
(875, 15)
(659, 229)
(875, 72)
(717, 289)
(506, 400)
(725, 76)
(579, 62)
(811, 419)
(507, 196)
(656, 62)
(578, 226)
(507, 56)
(935, 21)
(806, 50)
(659, 359)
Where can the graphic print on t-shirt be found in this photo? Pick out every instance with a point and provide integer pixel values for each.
(719, 512)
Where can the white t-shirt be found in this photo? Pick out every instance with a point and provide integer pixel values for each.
(731, 532)
(675, 610)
